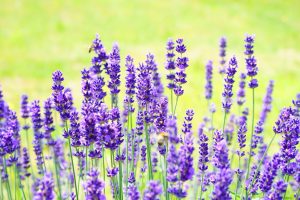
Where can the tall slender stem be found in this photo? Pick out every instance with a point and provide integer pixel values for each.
(150, 176)
(287, 180)
(72, 161)
(57, 176)
(16, 178)
(238, 181)
(1, 187)
(103, 166)
(176, 102)
(251, 140)
(120, 178)
(127, 151)
(171, 91)
(7, 181)
(166, 169)
(28, 188)
(224, 122)
(201, 185)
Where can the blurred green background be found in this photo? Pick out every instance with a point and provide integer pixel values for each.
(38, 37)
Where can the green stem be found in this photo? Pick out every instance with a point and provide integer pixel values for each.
(150, 176)
(72, 161)
(287, 180)
(103, 166)
(16, 180)
(251, 140)
(174, 111)
(1, 187)
(166, 165)
(120, 178)
(224, 122)
(28, 188)
(201, 184)
(7, 182)
(238, 181)
(171, 100)
(17, 174)
(127, 153)
(212, 125)
(57, 176)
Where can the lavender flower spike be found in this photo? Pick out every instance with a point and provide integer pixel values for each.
(241, 92)
(93, 186)
(251, 65)
(209, 86)
(44, 188)
(222, 54)
(153, 191)
(229, 80)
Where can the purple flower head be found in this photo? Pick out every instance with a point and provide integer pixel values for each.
(131, 178)
(170, 63)
(180, 48)
(203, 151)
(269, 174)
(172, 168)
(160, 120)
(86, 87)
(241, 92)
(229, 80)
(144, 85)
(97, 88)
(251, 65)
(93, 186)
(223, 179)
(112, 172)
(37, 148)
(209, 86)
(75, 132)
(111, 134)
(143, 158)
(158, 88)
(185, 158)
(44, 188)
(114, 70)
(279, 189)
(140, 123)
(267, 102)
(24, 107)
(187, 124)
(100, 59)
(37, 122)
(182, 64)
(153, 191)
(178, 190)
(241, 135)
(253, 180)
(48, 121)
(9, 135)
(2, 105)
(133, 192)
(222, 54)
(88, 122)
(62, 98)
(130, 84)
(297, 102)
(220, 158)
(25, 162)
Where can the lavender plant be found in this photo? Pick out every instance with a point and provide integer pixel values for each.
(135, 149)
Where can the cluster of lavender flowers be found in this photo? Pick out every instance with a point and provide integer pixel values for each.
(134, 149)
